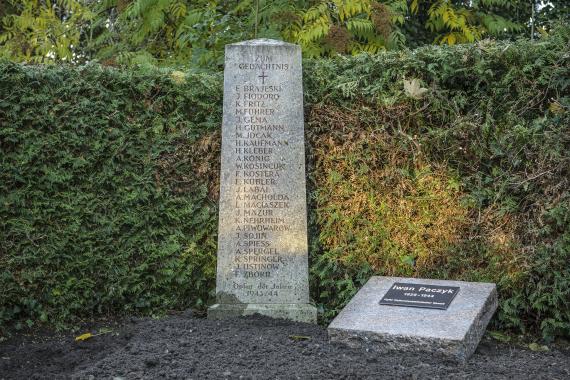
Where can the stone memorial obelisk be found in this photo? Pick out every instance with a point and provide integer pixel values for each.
(262, 237)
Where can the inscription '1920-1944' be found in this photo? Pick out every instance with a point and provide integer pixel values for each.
(418, 295)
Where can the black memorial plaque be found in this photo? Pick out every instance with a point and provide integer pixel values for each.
(419, 295)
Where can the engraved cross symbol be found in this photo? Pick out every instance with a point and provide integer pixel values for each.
(262, 76)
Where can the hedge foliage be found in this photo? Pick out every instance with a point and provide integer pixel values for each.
(109, 181)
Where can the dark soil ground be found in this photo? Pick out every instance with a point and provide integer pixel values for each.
(185, 347)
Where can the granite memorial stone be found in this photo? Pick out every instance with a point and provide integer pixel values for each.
(262, 237)
(398, 314)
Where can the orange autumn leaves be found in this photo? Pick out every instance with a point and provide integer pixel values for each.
(380, 202)
(379, 209)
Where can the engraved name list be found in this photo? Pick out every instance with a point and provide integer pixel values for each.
(262, 243)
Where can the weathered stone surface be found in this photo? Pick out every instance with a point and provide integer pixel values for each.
(262, 236)
(295, 312)
(454, 332)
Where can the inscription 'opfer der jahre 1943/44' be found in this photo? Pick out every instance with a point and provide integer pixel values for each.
(262, 244)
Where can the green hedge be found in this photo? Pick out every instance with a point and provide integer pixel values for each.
(101, 213)
(109, 181)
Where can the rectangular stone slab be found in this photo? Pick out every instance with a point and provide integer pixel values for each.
(454, 332)
(262, 237)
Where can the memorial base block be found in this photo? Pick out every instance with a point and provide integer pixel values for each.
(295, 312)
(453, 333)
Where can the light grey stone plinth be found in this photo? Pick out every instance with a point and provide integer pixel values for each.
(454, 332)
(262, 236)
(295, 312)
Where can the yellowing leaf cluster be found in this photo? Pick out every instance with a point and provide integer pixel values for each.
(376, 207)
(174, 32)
